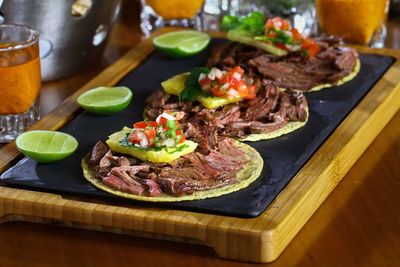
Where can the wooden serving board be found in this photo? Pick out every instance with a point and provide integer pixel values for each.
(259, 239)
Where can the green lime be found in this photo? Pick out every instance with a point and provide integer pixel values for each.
(181, 43)
(46, 146)
(105, 100)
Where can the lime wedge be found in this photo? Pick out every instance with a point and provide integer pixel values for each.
(105, 100)
(46, 146)
(181, 43)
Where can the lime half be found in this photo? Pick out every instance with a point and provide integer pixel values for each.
(181, 43)
(46, 146)
(105, 100)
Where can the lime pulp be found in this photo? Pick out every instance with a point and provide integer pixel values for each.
(182, 43)
(105, 100)
(46, 146)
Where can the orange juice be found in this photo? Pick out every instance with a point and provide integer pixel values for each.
(19, 79)
(176, 9)
(355, 20)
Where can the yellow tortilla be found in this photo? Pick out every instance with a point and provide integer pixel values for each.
(349, 77)
(288, 128)
(250, 172)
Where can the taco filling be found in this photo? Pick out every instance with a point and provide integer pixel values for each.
(332, 65)
(262, 112)
(130, 167)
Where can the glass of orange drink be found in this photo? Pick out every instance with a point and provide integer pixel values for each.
(20, 80)
(179, 13)
(357, 21)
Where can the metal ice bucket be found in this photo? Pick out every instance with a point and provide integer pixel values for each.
(72, 35)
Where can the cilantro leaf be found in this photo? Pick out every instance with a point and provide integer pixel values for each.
(192, 88)
(253, 23)
(229, 23)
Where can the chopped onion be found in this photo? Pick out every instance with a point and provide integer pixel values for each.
(225, 86)
(179, 115)
(237, 76)
(166, 116)
(143, 140)
(201, 76)
(232, 93)
(168, 142)
(218, 74)
(277, 24)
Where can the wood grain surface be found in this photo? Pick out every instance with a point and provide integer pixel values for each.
(358, 225)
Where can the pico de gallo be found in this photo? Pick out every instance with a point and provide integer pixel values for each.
(275, 31)
(165, 131)
(226, 84)
(279, 32)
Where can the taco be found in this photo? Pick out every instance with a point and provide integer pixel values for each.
(214, 106)
(153, 162)
(332, 66)
(307, 64)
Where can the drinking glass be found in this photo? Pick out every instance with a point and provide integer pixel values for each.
(19, 80)
(156, 14)
(357, 21)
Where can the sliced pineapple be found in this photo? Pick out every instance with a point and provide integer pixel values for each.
(176, 84)
(150, 154)
(211, 102)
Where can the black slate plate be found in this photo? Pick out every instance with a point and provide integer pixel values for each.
(283, 156)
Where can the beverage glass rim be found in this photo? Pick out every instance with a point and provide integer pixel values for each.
(23, 44)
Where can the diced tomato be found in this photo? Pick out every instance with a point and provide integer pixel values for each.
(134, 137)
(232, 81)
(278, 23)
(163, 121)
(234, 76)
(310, 46)
(224, 79)
(180, 133)
(152, 123)
(151, 135)
(297, 37)
(140, 125)
(218, 91)
(205, 84)
(281, 46)
(238, 69)
(242, 88)
(251, 92)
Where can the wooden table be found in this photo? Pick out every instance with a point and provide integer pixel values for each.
(358, 225)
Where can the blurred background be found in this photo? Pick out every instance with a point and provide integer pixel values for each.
(79, 38)
(74, 33)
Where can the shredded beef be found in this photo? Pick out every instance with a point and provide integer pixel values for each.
(191, 173)
(202, 172)
(98, 151)
(126, 174)
(271, 110)
(205, 136)
(293, 71)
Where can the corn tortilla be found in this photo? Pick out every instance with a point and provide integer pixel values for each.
(250, 172)
(288, 128)
(346, 79)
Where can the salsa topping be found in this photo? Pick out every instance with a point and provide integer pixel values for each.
(165, 131)
(279, 32)
(230, 85)
(275, 31)
(226, 84)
